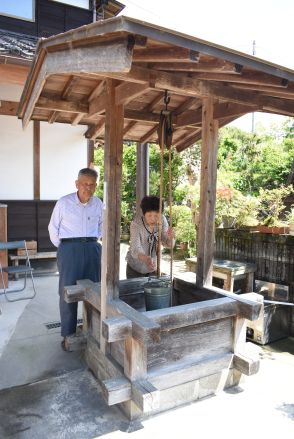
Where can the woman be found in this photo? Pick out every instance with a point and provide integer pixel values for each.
(142, 255)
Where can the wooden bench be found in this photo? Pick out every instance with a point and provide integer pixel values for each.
(39, 255)
(229, 271)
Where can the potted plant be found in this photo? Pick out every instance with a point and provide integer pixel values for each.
(270, 208)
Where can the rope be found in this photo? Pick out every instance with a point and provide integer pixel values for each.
(165, 139)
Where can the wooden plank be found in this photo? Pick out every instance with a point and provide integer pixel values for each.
(194, 342)
(101, 365)
(193, 313)
(116, 328)
(135, 359)
(144, 329)
(116, 390)
(62, 105)
(165, 54)
(186, 371)
(145, 395)
(249, 304)
(205, 235)
(13, 74)
(127, 91)
(74, 293)
(248, 366)
(111, 58)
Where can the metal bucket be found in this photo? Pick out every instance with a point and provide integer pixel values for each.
(157, 295)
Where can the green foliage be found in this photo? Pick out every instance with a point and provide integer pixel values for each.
(182, 223)
(271, 205)
(256, 160)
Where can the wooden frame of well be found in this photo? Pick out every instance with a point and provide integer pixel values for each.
(111, 76)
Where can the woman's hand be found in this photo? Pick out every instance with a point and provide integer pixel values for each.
(148, 262)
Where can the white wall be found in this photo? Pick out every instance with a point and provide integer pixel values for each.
(16, 160)
(63, 153)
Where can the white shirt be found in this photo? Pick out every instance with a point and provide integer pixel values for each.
(72, 219)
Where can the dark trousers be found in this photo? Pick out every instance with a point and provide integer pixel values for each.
(75, 261)
(131, 273)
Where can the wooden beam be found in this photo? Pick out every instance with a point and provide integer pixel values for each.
(114, 120)
(145, 395)
(54, 115)
(77, 118)
(90, 152)
(149, 134)
(193, 313)
(97, 105)
(116, 328)
(201, 66)
(98, 90)
(36, 158)
(62, 105)
(135, 359)
(162, 54)
(112, 58)
(8, 108)
(220, 110)
(71, 83)
(94, 130)
(128, 91)
(116, 390)
(247, 365)
(244, 78)
(205, 234)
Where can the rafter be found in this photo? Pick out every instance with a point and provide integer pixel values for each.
(149, 134)
(94, 130)
(168, 54)
(127, 91)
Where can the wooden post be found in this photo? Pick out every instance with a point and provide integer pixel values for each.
(90, 152)
(36, 159)
(142, 173)
(207, 195)
(3, 237)
(113, 149)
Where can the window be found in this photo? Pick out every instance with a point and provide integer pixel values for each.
(78, 3)
(24, 9)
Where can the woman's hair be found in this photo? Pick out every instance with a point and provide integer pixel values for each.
(149, 203)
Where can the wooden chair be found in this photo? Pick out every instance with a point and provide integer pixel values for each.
(26, 270)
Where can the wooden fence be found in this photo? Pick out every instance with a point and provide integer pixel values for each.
(272, 254)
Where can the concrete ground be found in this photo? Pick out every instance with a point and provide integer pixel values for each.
(47, 393)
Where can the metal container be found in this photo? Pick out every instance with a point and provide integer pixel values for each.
(157, 295)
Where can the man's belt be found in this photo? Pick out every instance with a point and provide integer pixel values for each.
(85, 239)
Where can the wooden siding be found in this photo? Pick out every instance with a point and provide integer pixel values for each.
(29, 220)
(51, 18)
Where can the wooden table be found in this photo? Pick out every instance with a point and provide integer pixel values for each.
(229, 271)
(39, 255)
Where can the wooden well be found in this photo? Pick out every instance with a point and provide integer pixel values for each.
(111, 77)
(161, 359)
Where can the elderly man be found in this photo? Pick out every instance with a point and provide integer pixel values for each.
(75, 226)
